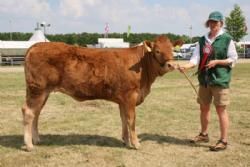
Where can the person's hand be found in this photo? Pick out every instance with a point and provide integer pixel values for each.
(185, 67)
(181, 68)
(211, 64)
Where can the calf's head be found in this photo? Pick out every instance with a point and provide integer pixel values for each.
(161, 51)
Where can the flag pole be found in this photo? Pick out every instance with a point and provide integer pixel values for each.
(128, 31)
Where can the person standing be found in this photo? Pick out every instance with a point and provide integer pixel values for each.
(215, 54)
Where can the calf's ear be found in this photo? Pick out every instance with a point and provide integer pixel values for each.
(148, 46)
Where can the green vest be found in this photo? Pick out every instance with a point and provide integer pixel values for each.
(218, 75)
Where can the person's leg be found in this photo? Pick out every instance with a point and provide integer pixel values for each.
(221, 100)
(224, 122)
(204, 99)
(204, 118)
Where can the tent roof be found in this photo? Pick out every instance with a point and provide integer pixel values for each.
(38, 35)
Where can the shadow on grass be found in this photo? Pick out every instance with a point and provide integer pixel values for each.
(16, 141)
(246, 144)
(168, 139)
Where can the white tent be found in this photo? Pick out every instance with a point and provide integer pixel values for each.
(38, 35)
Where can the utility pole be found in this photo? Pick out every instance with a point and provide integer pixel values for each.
(10, 30)
(191, 28)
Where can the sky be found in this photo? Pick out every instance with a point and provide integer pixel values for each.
(151, 16)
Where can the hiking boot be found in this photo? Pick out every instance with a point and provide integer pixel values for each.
(201, 138)
(219, 146)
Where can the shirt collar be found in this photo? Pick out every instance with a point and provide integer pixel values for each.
(211, 41)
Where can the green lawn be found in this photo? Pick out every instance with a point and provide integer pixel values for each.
(88, 133)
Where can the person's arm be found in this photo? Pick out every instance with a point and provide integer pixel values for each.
(232, 57)
(232, 53)
(194, 60)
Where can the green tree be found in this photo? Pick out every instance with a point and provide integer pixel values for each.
(92, 38)
(235, 24)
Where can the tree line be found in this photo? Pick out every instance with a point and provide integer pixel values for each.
(85, 38)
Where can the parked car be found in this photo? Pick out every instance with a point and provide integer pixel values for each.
(185, 52)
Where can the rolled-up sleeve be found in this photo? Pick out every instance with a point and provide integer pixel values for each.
(195, 58)
(232, 55)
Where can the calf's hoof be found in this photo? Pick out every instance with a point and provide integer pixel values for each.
(36, 141)
(127, 144)
(125, 141)
(27, 148)
(136, 145)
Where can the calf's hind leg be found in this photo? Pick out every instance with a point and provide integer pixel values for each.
(35, 133)
(31, 111)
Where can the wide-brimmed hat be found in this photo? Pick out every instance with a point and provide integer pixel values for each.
(214, 16)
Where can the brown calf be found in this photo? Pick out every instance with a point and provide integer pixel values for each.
(123, 76)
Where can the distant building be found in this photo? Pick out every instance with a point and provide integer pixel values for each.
(245, 45)
(111, 43)
(12, 52)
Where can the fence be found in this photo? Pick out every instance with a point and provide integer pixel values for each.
(11, 60)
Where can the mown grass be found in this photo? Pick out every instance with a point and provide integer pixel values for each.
(88, 133)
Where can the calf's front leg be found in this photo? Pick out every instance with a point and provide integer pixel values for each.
(125, 133)
(130, 119)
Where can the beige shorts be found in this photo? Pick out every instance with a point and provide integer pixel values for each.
(219, 95)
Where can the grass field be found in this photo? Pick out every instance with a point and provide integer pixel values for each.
(88, 133)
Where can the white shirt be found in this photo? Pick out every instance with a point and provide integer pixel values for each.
(232, 55)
